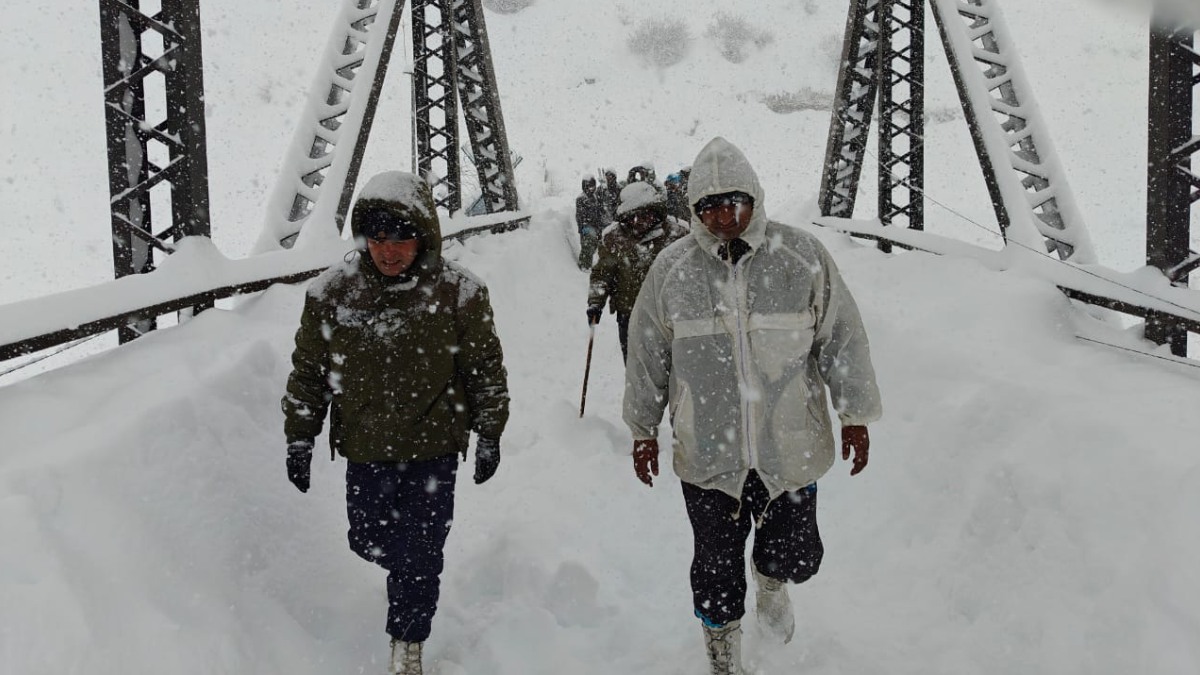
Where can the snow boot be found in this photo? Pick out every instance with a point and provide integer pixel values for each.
(773, 607)
(406, 658)
(724, 646)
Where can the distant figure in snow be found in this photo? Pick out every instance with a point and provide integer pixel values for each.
(643, 173)
(610, 195)
(628, 246)
(676, 188)
(741, 328)
(399, 346)
(590, 219)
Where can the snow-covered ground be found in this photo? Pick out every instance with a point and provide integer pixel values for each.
(1031, 500)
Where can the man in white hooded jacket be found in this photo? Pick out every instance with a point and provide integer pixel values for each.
(741, 327)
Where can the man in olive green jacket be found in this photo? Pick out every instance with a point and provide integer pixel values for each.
(398, 346)
(627, 248)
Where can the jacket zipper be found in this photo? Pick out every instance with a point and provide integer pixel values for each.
(751, 449)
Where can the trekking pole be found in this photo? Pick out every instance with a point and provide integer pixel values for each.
(587, 369)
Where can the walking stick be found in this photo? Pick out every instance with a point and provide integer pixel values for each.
(587, 369)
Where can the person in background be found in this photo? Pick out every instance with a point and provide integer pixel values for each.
(741, 328)
(398, 347)
(610, 196)
(676, 189)
(642, 230)
(589, 220)
(643, 172)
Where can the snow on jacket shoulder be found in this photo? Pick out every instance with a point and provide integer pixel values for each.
(744, 354)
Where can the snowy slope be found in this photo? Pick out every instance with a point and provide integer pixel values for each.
(1029, 507)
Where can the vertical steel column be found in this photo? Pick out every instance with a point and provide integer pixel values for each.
(850, 122)
(132, 136)
(1173, 184)
(435, 105)
(480, 99)
(902, 115)
(185, 118)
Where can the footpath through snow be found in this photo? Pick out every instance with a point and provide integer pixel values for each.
(1029, 507)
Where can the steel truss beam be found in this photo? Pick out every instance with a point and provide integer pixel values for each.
(1029, 190)
(480, 96)
(902, 115)
(451, 58)
(850, 124)
(329, 144)
(435, 106)
(1173, 184)
(143, 153)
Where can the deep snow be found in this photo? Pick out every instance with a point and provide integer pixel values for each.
(1029, 506)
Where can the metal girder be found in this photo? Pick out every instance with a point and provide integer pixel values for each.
(1030, 194)
(323, 161)
(1173, 185)
(136, 144)
(479, 94)
(435, 105)
(902, 115)
(850, 122)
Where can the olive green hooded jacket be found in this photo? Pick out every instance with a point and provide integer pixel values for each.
(625, 254)
(406, 366)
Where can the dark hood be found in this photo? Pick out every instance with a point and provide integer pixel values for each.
(407, 196)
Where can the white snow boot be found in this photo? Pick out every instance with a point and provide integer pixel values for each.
(724, 646)
(773, 607)
(406, 658)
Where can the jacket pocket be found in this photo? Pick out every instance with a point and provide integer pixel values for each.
(780, 342)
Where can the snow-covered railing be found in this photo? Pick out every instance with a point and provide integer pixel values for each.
(1143, 293)
(322, 163)
(1034, 204)
(197, 274)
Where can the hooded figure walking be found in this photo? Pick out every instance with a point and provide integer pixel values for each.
(741, 327)
(642, 229)
(398, 346)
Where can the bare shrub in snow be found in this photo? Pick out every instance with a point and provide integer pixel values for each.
(795, 101)
(734, 35)
(507, 6)
(661, 41)
(942, 114)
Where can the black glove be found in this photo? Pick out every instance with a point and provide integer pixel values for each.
(594, 313)
(299, 463)
(487, 458)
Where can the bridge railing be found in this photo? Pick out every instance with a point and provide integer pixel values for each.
(1146, 293)
(196, 274)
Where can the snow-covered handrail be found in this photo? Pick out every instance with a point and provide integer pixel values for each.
(1142, 293)
(195, 274)
(1029, 190)
(321, 165)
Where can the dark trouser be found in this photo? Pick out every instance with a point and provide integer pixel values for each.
(623, 334)
(589, 241)
(787, 545)
(400, 515)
